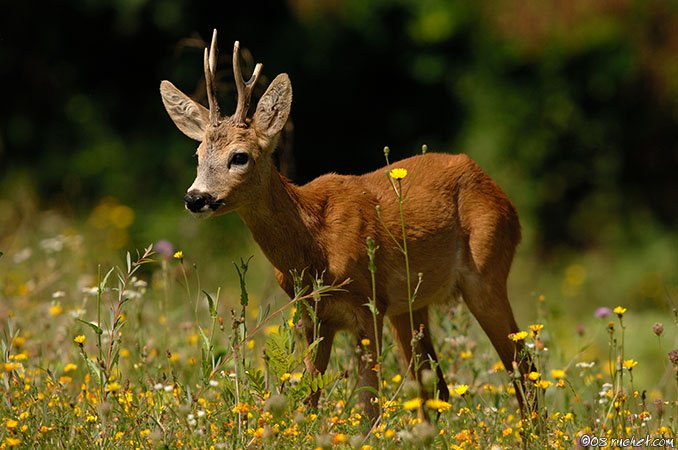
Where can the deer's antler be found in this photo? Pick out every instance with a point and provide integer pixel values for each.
(210, 61)
(244, 88)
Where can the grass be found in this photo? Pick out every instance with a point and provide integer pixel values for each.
(150, 352)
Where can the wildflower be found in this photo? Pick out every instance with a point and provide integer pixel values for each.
(12, 442)
(558, 374)
(673, 357)
(629, 364)
(507, 431)
(70, 367)
(544, 384)
(179, 255)
(339, 438)
(466, 354)
(397, 378)
(24, 415)
(241, 408)
(113, 387)
(164, 248)
(519, 336)
(55, 309)
(461, 389)
(145, 432)
(388, 434)
(79, 339)
(398, 173)
(438, 405)
(250, 344)
(602, 312)
(412, 404)
(535, 328)
(658, 329)
(90, 418)
(534, 376)
(11, 424)
(619, 311)
(365, 342)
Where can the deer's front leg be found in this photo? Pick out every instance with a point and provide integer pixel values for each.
(368, 367)
(316, 361)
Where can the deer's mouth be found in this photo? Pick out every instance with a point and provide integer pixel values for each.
(200, 203)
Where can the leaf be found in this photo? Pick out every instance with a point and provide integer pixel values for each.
(212, 308)
(263, 314)
(102, 285)
(97, 329)
(129, 262)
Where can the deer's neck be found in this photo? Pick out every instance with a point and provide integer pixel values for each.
(285, 225)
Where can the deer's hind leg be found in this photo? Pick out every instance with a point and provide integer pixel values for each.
(424, 352)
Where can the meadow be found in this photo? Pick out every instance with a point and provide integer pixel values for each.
(104, 347)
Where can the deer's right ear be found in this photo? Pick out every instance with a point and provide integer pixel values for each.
(189, 116)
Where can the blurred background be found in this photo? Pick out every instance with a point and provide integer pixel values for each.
(571, 105)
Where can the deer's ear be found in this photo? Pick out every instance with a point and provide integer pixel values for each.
(189, 116)
(274, 107)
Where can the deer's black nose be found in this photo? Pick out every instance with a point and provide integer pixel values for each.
(197, 201)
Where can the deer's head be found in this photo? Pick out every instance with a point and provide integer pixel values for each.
(234, 155)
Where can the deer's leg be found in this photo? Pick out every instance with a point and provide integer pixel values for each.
(368, 381)
(316, 362)
(424, 351)
(489, 304)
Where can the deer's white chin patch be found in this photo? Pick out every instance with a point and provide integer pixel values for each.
(202, 214)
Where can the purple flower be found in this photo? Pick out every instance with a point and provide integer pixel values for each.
(602, 312)
(164, 248)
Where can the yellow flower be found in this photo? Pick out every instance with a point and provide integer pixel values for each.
(398, 173)
(438, 405)
(79, 339)
(388, 434)
(250, 344)
(286, 376)
(397, 378)
(558, 374)
(112, 387)
(55, 309)
(11, 424)
(145, 432)
(461, 389)
(519, 336)
(12, 442)
(412, 404)
(630, 364)
(466, 354)
(70, 367)
(544, 384)
(24, 415)
(179, 255)
(534, 376)
(619, 310)
(339, 438)
(536, 327)
(507, 431)
(90, 418)
(365, 342)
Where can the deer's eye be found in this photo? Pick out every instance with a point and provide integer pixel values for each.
(240, 159)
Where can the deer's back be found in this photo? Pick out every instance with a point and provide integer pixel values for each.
(458, 223)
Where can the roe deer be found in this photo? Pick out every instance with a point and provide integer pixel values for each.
(462, 230)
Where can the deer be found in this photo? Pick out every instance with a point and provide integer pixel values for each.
(462, 231)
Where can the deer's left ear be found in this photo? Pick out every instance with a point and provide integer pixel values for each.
(273, 108)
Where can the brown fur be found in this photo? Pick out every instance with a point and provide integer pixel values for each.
(462, 232)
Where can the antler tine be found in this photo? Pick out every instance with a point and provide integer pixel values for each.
(244, 88)
(210, 62)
